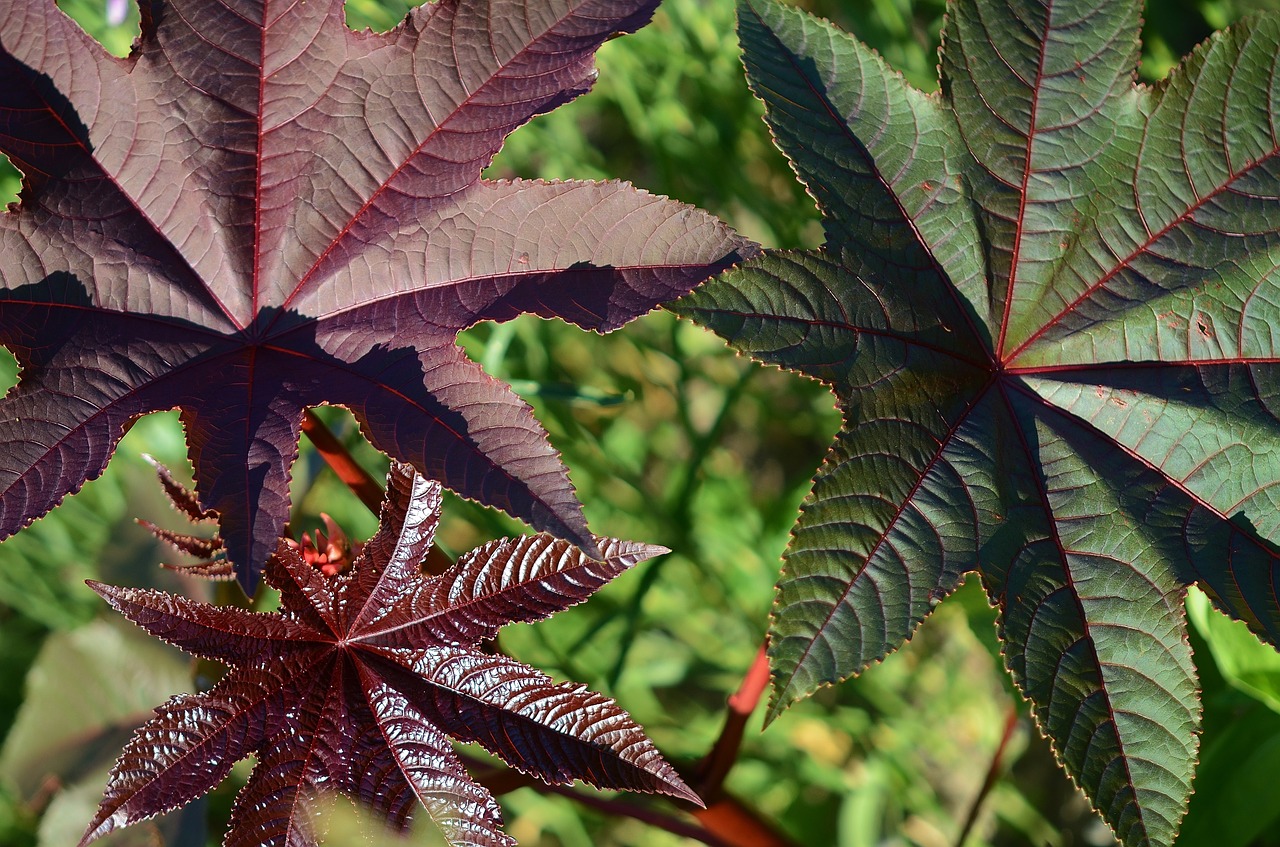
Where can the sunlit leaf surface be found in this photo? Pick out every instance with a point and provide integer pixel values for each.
(1047, 307)
(260, 210)
(362, 680)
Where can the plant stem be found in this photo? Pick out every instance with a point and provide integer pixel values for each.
(500, 780)
(726, 822)
(742, 703)
(337, 457)
(993, 773)
(726, 816)
(735, 824)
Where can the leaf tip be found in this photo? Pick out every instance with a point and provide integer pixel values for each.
(775, 710)
(102, 589)
(248, 580)
(628, 553)
(101, 826)
(589, 546)
(781, 697)
(680, 790)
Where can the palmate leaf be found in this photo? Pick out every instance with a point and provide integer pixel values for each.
(358, 684)
(260, 210)
(1047, 306)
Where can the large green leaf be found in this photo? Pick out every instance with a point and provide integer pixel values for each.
(1048, 305)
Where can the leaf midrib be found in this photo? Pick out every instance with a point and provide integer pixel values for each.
(473, 600)
(1019, 227)
(905, 340)
(384, 186)
(1033, 464)
(865, 154)
(1144, 247)
(348, 368)
(944, 442)
(120, 190)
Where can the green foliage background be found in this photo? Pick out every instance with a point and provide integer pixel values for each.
(670, 439)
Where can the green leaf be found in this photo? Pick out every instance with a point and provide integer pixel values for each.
(1046, 307)
(1237, 801)
(43, 568)
(1245, 664)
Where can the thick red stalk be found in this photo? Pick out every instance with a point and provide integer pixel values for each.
(717, 764)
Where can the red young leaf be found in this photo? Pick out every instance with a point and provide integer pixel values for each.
(360, 680)
(260, 211)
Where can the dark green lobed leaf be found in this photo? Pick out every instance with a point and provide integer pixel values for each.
(1045, 307)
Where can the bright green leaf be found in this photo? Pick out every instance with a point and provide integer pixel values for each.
(1246, 664)
(86, 692)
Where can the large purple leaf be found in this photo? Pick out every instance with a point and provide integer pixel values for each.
(1046, 305)
(260, 210)
(361, 679)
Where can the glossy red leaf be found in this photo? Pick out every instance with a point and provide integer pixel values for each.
(358, 683)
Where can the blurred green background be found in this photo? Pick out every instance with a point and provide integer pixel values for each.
(671, 439)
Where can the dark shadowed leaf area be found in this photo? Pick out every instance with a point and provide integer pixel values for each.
(260, 210)
(1047, 306)
(362, 680)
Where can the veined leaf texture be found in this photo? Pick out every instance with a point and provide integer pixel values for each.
(1047, 306)
(260, 210)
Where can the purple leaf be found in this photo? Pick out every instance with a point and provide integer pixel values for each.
(358, 683)
(261, 211)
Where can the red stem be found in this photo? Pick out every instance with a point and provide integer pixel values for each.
(336, 456)
(993, 773)
(716, 766)
(725, 815)
(736, 825)
(500, 780)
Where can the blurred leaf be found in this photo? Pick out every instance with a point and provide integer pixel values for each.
(1237, 796)
(21, 637)
(94, 17)
(10, 181)
(344, 824)
(92, 534)
(1245, 662)
(86, 693)
(378, 15)
(64, 820)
